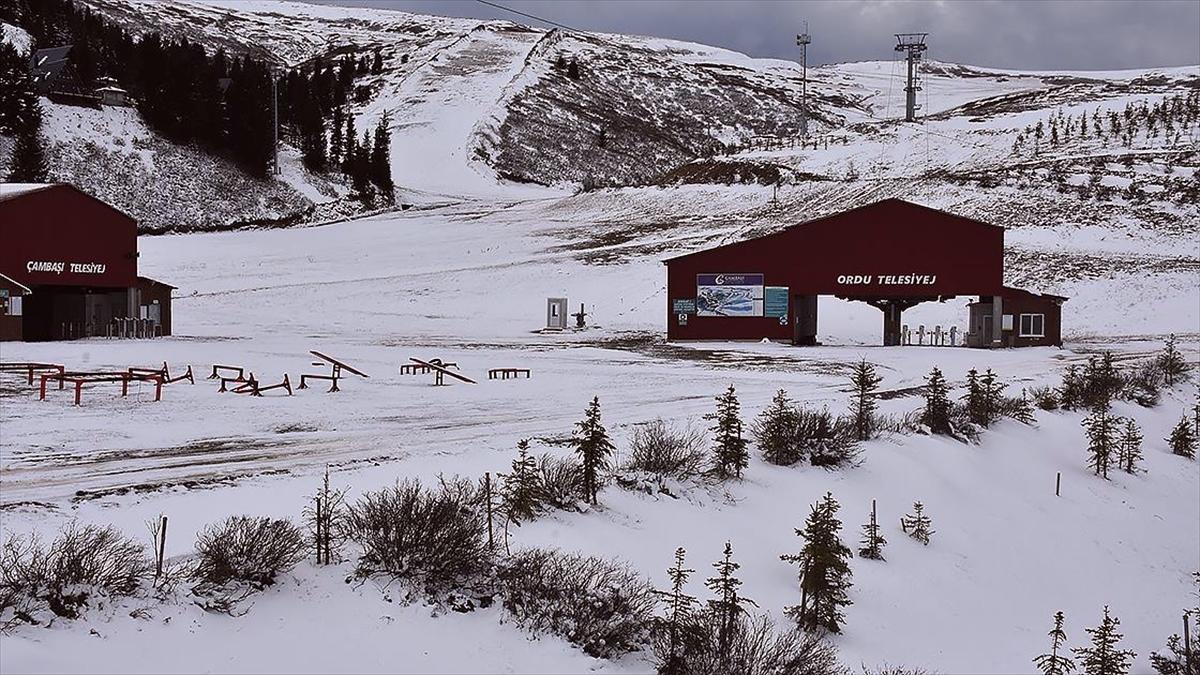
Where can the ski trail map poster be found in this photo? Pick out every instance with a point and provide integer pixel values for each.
(729, 295)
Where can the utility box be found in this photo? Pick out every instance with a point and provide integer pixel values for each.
(556, 313)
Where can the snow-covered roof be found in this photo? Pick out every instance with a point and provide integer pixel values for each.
(9, 190)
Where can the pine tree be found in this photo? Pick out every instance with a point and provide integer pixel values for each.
(594, 447)
(19, 106)
(520, 493)
(573, 70)
(381, 163)
(1055, 663)
(1182, 440)
(1101, 429)
(1172, 364)
(824, 569)
(377, 62)
(1103, 657)
(29, 154)
(974, 399)
(862, 404)
(681, 607)
(351, 149)
(730, 456)
(727, 606)
(1022, 410)
(917, 524)
(1129, 447)
(336, 129)
(872, 541)
(936, 414)
(775, 432)
(991, 391)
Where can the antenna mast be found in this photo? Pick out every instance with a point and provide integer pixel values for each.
(913, 44)
(802, 41)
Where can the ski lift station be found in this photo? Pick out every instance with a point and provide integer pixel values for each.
(69, 269)
(890, 254)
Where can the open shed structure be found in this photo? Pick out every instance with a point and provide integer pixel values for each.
(68, 266)
(890, 254)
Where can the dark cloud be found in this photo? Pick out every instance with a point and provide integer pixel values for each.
(1025, 34)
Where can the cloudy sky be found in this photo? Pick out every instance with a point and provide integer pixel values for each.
(1028, 34)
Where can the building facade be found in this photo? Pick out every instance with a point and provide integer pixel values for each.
(890, 254)
(75, 258)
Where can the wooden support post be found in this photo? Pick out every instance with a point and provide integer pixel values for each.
(1187, 647)
(43, 393)
(78, 391)
(317, 499)
(162, 548)
(124, 385)
(487, 488)
(1057, 483)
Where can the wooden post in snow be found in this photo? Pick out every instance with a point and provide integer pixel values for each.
(317, 499)
(1057, 483)
(487, 487)
(162, 547)
(1187, 646)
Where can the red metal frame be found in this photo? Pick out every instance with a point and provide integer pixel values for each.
(79, 378)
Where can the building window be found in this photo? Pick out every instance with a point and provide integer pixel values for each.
(1033, 325)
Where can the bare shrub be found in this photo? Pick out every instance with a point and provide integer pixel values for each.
(247, 549)
(561, 481)
(755, 647)
(603, 606)
(81, 561)
(435, 537)
(667, 450)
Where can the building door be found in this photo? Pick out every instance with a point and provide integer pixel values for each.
(805, 322)
(987, 330)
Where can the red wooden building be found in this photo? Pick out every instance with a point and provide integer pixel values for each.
(68, 268)
(891, 254)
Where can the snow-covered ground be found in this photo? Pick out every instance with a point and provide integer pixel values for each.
(468, 284)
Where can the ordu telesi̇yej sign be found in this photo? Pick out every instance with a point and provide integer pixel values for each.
(729, 295)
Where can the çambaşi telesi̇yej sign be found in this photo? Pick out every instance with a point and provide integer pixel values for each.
(729, 295)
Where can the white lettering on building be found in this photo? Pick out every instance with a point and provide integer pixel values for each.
(888, 279)
(57, 267)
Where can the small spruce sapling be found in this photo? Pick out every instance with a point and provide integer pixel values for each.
(1172, 364)
(1022, 410)
(936, 414)
(917, 524)
(520, 492)
(775, 432)
(730, 456)
(872, 541)
(862, 405)
(824, 569)
(1103, 656)
(1182, 440)
(727, 606)
(1101, 430)
(1129, 447)
(973, 399)
(681, 607)
(594, 448)
(991, 392)
(1055, 663)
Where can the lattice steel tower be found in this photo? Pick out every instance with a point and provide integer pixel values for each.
(913, 44)
(802, 41)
